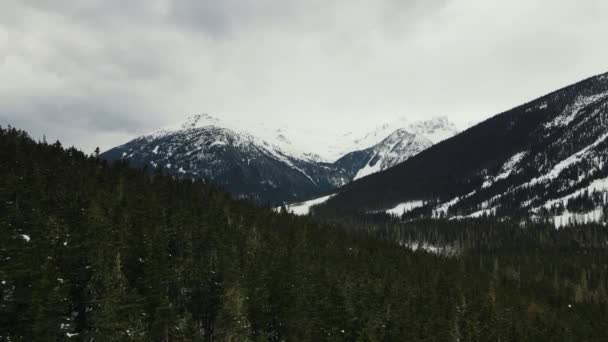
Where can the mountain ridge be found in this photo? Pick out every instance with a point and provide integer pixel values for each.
(266, 166)
(543, 150)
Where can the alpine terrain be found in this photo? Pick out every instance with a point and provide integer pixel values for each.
(265, 164)
(98, 251)
(544, 160)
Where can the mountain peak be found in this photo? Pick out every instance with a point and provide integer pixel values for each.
(199, 120)
(435, 129)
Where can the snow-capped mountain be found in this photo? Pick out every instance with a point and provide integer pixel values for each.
(392, 150)
(243, 164)
(433, 130)
(263, 163)
(544, 160)
(394, 143)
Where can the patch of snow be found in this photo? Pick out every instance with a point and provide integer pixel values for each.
(443, 208)
(303, 208)
(25, 237)
(568, 218)
(396, 148)
(573, 159)
(506, 170)
(596, 185)
(369, 169)
(218, 143)
(402, 208)
(527, 203)
(279, 155)
(483, 212)
(428, 247)
(155, 150)
(477, 214)
(571, 112)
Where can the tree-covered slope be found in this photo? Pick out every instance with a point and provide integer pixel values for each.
(528, 160)
(93, 251)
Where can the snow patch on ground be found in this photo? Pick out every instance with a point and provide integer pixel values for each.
(443, 208)
(568, 218)
(279, 155)
(483, 212)
(303, 208)
(402, 208)
(596, 185)
(395, 149)
(506, 170)
(540, 106)
(571, 112)
(564, 164)
(368, 169)
(431, 248)
(218, 143)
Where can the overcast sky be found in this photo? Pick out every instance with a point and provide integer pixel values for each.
(98, 72)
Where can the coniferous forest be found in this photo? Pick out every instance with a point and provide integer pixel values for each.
(97, 251)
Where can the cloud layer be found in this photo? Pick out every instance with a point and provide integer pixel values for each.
(97, 72)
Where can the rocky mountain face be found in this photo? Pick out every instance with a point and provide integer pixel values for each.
(237, 161)
(544, 160)
(265, 165)
(394, 149)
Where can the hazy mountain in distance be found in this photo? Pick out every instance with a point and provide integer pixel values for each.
(264, 163)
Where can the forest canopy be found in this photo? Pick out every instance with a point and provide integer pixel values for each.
(91, 250)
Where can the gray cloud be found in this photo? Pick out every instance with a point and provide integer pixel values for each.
(96, 72)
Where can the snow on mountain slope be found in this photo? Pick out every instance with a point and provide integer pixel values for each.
(434, 130)
(403, 208)
(316, 145)
(392, 144)
(262, 161)
(271, 137)
(562, 179)
(241, 163)
(395, 149)
(231, 132)
(544, 160)
(303, 208)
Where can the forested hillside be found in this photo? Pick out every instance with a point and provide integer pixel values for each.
(92, 251)
(545, 159)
